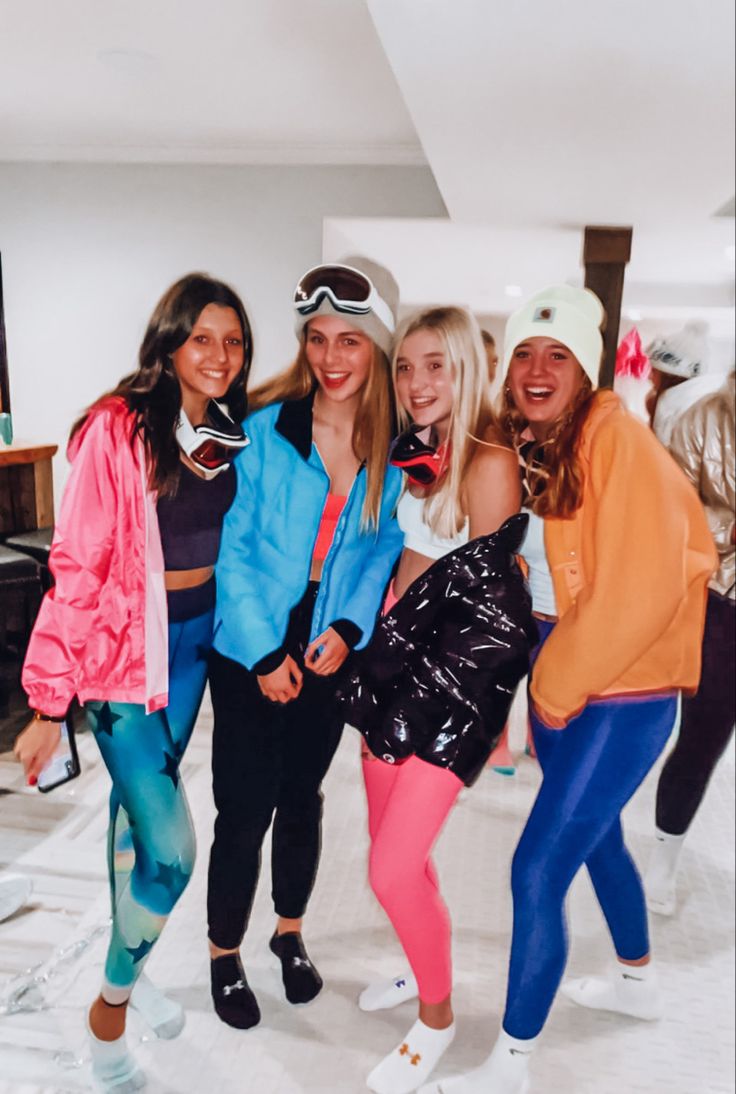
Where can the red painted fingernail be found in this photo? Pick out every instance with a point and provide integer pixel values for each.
(32, 780)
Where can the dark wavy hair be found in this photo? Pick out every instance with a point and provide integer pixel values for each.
(553, 474)
(153, 392)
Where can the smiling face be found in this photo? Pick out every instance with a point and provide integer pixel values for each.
(424, 381)
(210, 359)
(544, 378)
(340, 356)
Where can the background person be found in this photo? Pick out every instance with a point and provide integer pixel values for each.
(489, 346)
(681, 373)
(704, 444)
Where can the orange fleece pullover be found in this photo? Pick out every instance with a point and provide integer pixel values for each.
(630, 571)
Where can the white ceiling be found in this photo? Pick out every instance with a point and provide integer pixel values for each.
(538, 118)
(671, 277)
(227, 81)
(572, 112)
(535, 118)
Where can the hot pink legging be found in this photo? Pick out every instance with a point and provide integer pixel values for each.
(408, 804)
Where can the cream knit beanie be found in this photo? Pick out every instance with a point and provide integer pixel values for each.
(572, 317)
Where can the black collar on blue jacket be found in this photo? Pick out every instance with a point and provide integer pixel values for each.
(294, 423)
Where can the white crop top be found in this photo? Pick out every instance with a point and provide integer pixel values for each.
(418, 536)
(540, 579)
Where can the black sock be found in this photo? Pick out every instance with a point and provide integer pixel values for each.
(234, 1001)
(302, 982)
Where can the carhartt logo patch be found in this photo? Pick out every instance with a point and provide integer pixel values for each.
(545, 314)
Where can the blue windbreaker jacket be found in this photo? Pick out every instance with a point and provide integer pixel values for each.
(268, 537)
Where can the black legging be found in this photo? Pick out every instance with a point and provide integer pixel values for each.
(706, 726)
(268, 761)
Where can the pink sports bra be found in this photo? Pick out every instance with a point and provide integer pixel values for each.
(334, 506)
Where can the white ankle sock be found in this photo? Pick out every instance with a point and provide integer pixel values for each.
(165, 1017)
(113, 1067)
(412, 1061)
(506, 1071)
(385, 994)
(660, 883)
(632, 990)
(14, 893)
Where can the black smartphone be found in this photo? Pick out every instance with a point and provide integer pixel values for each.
(64, 764)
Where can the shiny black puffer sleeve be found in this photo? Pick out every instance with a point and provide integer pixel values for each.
(439, 675)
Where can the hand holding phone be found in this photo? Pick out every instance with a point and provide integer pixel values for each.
(38, 745)
(35, 746)
(63, 765)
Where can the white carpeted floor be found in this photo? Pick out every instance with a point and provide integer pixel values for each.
(330, 1046)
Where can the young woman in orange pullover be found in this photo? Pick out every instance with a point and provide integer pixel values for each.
(619, 555)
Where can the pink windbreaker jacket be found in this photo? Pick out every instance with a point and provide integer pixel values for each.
(102, 629)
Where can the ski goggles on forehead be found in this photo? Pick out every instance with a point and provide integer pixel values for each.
(349, 291)
(422, 462)
(212, 445)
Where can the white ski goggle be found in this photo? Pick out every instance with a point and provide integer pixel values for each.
(212, 445)
(348, 290)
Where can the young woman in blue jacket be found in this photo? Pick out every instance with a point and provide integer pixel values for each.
(307, 550)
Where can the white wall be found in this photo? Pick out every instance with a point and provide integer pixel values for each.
(88, 249)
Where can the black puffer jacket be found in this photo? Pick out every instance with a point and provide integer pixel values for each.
(440, 672)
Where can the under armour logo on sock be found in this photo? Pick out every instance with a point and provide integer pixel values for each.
(399, 983)
(230, 988)
(414, 1057)
(301, 963)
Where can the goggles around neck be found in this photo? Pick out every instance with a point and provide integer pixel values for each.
(212, 445)
(348, 290)
(423, 462)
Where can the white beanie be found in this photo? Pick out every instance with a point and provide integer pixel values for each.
(684, 353)
(572, 317)
(371, 324)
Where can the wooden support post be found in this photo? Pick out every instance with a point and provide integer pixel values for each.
(606, 251)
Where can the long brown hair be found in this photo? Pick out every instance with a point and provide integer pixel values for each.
(153, 392)
(553, 475)
(372, 428)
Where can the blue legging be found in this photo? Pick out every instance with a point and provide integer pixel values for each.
(151, 843)
(591, 770)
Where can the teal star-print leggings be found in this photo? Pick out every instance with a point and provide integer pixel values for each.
(151, 845)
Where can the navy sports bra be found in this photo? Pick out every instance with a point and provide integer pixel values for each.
(190, 521)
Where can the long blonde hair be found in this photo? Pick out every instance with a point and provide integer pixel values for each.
(372, 427)
(472, 421)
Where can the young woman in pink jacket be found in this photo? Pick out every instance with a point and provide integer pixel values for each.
(127, 627)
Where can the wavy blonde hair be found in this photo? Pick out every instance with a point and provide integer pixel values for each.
(372, 427)
(472, 421)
